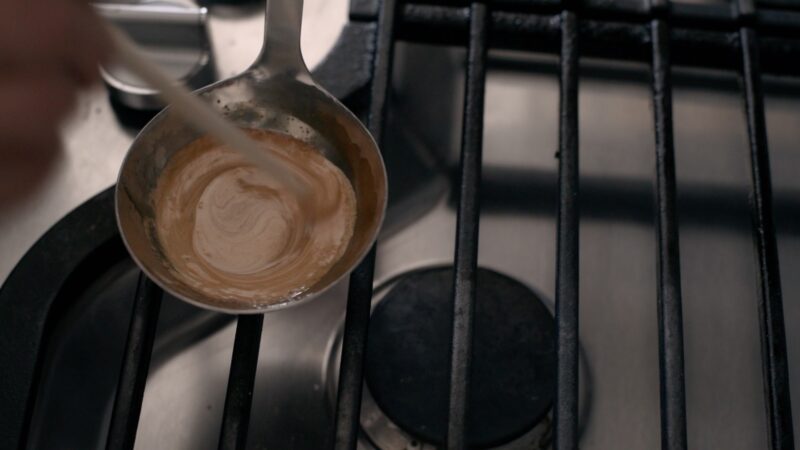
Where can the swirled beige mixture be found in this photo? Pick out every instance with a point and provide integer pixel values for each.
(230, 231)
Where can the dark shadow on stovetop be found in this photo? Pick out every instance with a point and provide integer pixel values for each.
(535, 192)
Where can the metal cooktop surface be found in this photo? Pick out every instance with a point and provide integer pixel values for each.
(292, 403)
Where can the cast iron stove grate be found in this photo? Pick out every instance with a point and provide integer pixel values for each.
(742, 36)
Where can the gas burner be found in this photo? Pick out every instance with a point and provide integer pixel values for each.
(514, 363)
(408, 360)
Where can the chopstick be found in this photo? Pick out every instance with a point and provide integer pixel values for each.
(196, 112)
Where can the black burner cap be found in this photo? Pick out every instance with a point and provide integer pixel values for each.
(514, 363)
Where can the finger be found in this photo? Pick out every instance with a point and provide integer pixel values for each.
(64, 32)
(95, 48)
(20, 176)
(33, 148)
(33, 104)
(35, 30)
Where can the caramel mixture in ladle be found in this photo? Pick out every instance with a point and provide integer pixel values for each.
(234, 233)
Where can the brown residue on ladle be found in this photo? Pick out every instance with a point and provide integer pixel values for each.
(233, 233)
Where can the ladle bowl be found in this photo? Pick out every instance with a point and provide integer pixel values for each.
(278, 94)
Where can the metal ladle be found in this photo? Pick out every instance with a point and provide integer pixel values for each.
(276, 93)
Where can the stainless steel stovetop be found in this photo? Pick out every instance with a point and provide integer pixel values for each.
(292, 400)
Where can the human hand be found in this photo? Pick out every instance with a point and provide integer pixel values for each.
(48, 50)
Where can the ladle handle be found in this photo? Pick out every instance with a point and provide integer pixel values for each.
(280, 53)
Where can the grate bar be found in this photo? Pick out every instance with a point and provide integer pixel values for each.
(466, 254)
(670, 318)
(239, 396)
(354, 343)
(135, 364)
(565, 433)
(359, 296)
(602, 38)
(688, 15)
(770, 302)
